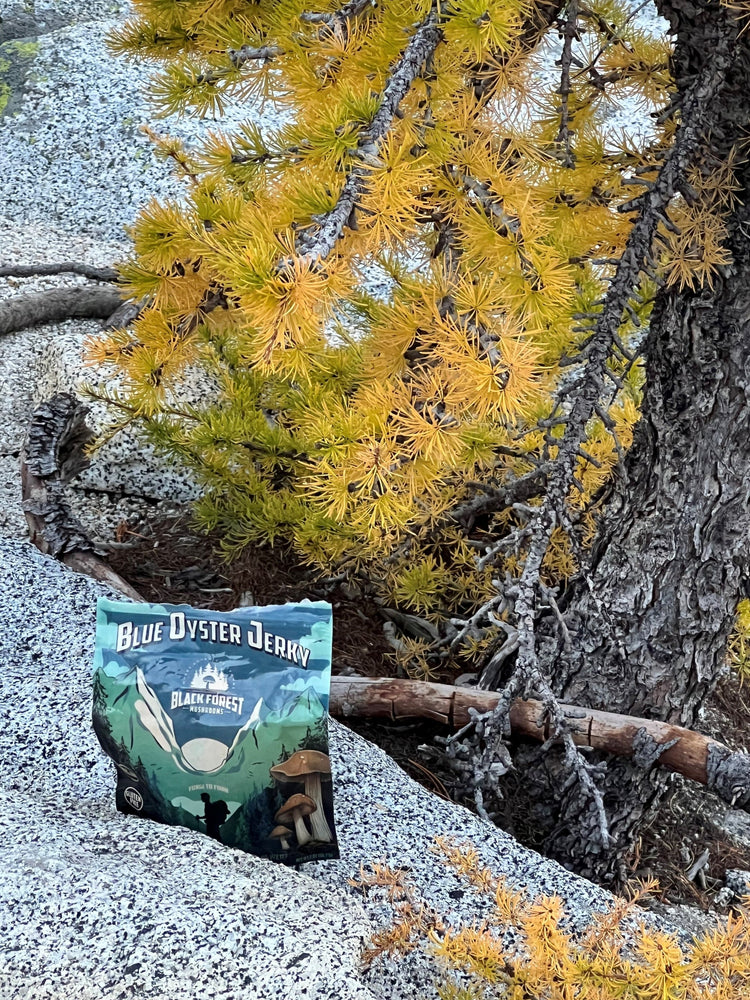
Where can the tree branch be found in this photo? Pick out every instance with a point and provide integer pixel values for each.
(651, 742)
(339, 17)
(56, 305)
(65, 267)
(563, 135)
(248, 53)
(319, 244)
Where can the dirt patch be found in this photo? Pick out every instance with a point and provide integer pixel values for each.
(691, 824)
(687, 833)
(168, 562)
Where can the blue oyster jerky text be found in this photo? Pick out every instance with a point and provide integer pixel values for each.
(218, 721)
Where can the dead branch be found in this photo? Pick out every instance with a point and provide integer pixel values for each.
(651, 742)
(520, 490)
(57, 305)
(65, 267)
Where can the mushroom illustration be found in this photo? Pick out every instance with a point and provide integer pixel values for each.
(281, 833)
(312, 767)
(295, 808)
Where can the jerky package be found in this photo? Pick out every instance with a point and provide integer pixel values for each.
(218, 721)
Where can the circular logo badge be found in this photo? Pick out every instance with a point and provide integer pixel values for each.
(133, 798)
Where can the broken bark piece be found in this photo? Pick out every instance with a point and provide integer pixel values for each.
(57, 438)
(126, 313)
(52, 455)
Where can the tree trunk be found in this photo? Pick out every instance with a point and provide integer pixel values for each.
(649, 638)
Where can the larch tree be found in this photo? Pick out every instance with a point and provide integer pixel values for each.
(469, 317)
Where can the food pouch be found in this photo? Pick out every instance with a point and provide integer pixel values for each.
(218, 721)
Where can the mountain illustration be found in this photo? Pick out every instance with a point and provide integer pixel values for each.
(240, 769)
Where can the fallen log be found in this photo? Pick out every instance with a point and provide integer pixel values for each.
(63, 267)
(56, 305)
(647, 741)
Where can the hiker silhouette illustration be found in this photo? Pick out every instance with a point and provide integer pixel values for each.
(214, 815)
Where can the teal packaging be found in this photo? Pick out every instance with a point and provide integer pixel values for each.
(217, 721)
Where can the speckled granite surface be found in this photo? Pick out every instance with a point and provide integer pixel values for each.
(97, 905)
(75, 167)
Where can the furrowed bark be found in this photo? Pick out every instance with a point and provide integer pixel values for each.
(532, 675)
(53, 455)
(649, 628)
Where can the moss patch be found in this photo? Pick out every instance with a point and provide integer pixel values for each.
(16, 58)
(24, 50)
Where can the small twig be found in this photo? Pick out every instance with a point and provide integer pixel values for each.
(472, 623)
(513, 540)
(491, 671)
(550, 597)
(698, 865)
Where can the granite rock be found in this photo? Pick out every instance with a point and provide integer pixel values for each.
(734, 824)
(100, 905)
(738, 880)
(75, 168)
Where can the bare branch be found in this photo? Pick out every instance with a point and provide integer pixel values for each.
(563, 135)
(65, 267)
(320, 241)
(517, 490)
